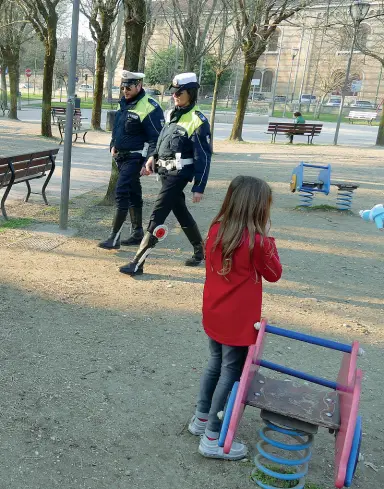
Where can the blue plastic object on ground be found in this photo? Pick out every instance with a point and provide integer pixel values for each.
(286, 469)
(228, 414)
(355, 451)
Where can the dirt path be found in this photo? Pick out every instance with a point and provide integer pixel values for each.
(100, 371)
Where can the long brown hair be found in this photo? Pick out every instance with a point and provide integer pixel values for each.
(246, 207)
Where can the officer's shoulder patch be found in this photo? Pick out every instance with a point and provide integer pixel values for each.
(153, 102)
(200, 115)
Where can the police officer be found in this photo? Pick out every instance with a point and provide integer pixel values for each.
(183, 153)
(135, 131)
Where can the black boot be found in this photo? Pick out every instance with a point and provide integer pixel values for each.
(136, 266)
(113, 241)
(137, 234)
(194, 236)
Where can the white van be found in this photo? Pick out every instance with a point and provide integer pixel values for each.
(85, 88)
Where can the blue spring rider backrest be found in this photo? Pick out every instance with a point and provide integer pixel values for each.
(308, 181)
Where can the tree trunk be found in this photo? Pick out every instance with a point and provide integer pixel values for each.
(13, 85)
(214, 104)
(49, 63)
(99, 85)
(143, 49)
(320, 106)
(109, 198)
(110, 75)
(134, 21)
(188, 60)
(237, 129)
(380, 132)
(4, 84)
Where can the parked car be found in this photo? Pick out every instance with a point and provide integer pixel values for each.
(152, 92)
(307, 99)
(280, 98)
(257, 96)
(85, 88)
(209, 97)
(363, 104)
(333, 102)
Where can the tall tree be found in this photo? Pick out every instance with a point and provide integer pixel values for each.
(134, 22)
(101, 14)
(368, 42)
(115, 50)
(329, 79)
(256, 21)
(44, 15)
(194, 24)
(151, 12)
(225, 51)
(14, 31)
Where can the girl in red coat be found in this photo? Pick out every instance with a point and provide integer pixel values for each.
(239, 253)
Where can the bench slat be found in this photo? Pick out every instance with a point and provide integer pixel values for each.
(35, 162)
(28, 156)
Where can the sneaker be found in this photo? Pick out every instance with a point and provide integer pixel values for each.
(210, 448)
(197, 427)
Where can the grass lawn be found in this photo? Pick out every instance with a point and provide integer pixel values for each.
(15, 223)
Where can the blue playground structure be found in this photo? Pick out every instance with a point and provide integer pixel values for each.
(307, 181)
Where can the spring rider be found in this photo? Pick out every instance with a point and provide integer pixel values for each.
(307, 182)
(294, 412)
(376, 215)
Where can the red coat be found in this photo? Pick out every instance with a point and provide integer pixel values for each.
(232, 303)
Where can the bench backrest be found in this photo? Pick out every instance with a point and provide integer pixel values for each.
(23, 167)
(362, 115)
(62, 111)
(287, 127)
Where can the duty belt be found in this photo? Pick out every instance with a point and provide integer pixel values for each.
(175, 164)
(143, 152)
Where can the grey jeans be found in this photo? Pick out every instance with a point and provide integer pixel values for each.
(224, 369)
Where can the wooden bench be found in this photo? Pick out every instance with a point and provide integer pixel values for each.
(362, 116)
(59, 112)
(25, 167)
(290, 128)
(4, 107)
(77, 128)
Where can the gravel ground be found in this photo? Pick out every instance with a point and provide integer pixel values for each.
(99, 371)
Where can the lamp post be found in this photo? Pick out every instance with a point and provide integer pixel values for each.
(67, 156)
(358, 11)
(294, 53)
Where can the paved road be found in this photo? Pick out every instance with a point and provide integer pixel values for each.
(91, 162)
(350, 134)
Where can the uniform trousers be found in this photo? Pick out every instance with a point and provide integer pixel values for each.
(171, 198)
(128, 186)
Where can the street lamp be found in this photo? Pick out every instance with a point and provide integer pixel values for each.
(294, 53)
(358, 11)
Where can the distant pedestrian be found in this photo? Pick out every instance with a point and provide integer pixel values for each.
(298, 119)
(238, 255)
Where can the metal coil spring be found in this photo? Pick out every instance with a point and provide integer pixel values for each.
(306, 198)
(344, 199)
(282, 468)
